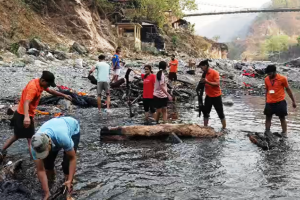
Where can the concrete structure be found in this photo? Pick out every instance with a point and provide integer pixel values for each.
(131, 31)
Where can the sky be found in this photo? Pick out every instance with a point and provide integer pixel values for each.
(203, 21)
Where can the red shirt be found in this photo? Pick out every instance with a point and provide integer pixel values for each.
(31, 92)
(212, 91)
(148, 86)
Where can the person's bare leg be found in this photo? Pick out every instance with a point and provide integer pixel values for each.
(154, 115)
(283, 125)
(9, 142)
(223, 121)
(205, 121)
(146, 116)
(116, 78)
(165, 115)
(29, 146)
(108, 101)
(99, 103)
(268, 123)
(158, 111)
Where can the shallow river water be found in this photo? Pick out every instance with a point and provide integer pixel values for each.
(229, 167)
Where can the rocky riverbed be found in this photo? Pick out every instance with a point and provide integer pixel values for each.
(226, 168)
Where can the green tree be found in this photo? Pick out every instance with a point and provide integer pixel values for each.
(216, 38)
(155, 9)
(276, 43)
(285, 3)
(298, 40)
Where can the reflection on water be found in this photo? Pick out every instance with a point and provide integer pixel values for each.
(229, 167)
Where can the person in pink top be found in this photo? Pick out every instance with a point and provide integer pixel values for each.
(161, 95)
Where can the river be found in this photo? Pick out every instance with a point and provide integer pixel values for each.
(229, 167)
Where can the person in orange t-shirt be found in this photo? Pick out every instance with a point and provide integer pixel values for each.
(23, 117)
(275, 98)
(173, 70)
(213, 93)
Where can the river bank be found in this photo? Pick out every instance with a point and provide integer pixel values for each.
(229, 167)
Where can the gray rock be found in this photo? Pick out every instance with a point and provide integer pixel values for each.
(3, 64)
(1, 59)
(50, 56)
(24, 43)
(33, 51)
(21, 51)
(78, 63)
(28, 59)
(65, 104)
(18, 64)
(228, 102)
(60, 55)
(37, 44)
(79, 48)
(85, 64)
(42, 59)
(188, 105)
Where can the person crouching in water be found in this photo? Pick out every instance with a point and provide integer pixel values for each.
(54, 135)
(161, 95)
(148, 90)
(275, 98)
(213, 93)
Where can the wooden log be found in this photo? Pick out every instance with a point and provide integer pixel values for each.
(181, 130)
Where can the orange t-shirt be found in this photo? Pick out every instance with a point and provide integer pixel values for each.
(212, 91)
(173, 66)
(275, 88)
(31, 92)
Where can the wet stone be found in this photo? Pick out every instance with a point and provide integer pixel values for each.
(18, 64)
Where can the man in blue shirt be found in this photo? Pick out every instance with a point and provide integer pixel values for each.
(103, 80)
(55, 134)
(116, 65)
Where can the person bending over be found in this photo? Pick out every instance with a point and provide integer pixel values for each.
(54, 135)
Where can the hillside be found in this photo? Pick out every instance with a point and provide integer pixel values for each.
(268, 28)
(58, 22)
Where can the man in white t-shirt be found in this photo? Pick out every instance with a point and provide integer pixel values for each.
(103, 80)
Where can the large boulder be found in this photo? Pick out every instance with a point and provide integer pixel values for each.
(60, 55)
(21, 51)
(79, 48)
(50, 56)
(18, 64)
(28, 59)
(24, 43)
(37, 44)
(78, 63)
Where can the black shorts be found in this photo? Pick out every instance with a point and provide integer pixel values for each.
(49, 161)
(217, 103)
(279, 109)
(19, 130)
(173, 76)
(149, 105)
(160, 102)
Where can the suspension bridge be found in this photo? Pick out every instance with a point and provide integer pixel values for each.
(244, 11)
(225, 9)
